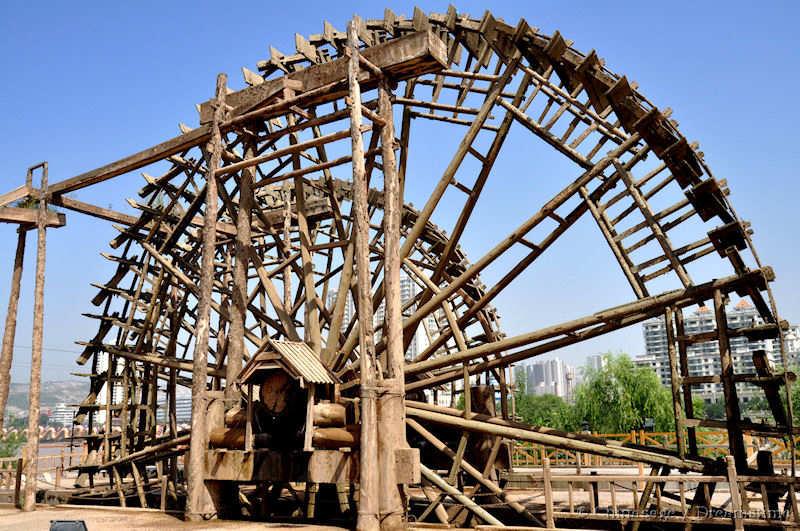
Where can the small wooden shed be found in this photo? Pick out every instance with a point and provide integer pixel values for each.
(298, 361)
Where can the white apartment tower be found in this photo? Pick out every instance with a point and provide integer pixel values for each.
(704, 358)
(548, 377)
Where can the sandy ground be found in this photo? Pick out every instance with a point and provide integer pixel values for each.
(98, 518)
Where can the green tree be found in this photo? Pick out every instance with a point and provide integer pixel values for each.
(619, 396)
(545, 410)
(715, 410)
(698, 407)
(11, 443)
(795, 400)
(460, 402)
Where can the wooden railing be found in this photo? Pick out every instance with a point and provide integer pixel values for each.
(50, 468)
(748, 501)
(710, 443)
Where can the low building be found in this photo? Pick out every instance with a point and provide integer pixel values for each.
(61, 415)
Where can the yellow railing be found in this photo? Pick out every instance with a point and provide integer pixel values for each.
(710, 443)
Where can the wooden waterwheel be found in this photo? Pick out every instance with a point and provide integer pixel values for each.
(282, 268)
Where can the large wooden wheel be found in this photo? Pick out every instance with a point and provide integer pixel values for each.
(284, 252)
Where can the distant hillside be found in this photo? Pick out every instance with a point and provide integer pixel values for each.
(67, 392)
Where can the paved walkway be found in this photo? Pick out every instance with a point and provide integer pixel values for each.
(116, 519)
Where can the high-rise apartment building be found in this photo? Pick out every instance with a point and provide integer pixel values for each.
(183, 411)
(704, 357)
(548, 377)
(408, 290)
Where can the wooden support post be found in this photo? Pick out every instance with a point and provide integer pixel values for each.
(118, 486)
(736, 499)
(311, 310)
(32, 447)
(369, 484)
(164, 481)
(137, 479)
(391, 413)
(239, 288)
(18, 483)
(548, 494)
(683, 356)
(732, 410)
(675, 381)
(198, 500)
(110, 370)
(287, 243)
(311, 499)
(248, 427)
(309, 434)
(7, 353)
(341, 496)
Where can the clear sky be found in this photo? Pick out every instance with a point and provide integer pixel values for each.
(85, 83)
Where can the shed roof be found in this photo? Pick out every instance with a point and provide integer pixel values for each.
(296, 357)
(303, 360)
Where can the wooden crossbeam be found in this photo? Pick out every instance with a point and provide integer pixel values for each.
(409, 56)
(28, 216)
(583, 328)
(549, 437)
(15, 195)
(401, 58)
(93, 210)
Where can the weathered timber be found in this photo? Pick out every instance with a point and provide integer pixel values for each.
(196, 504)
(406, 57)
(15, 195)
(409, 56)
(369, 478)
(31, 452)
(10, 330)
(28, 216)
(548, 437)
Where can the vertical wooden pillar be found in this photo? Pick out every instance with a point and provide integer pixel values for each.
(732, 410)
(369, 484)
(311, 319)
(32, 447)
(197, 498)
(548, 494)
(391, 414)
(7, 353)
(111, 366)
(736, 496)
(683, 356)
(675, 382)
(286, 194)
(242, 252)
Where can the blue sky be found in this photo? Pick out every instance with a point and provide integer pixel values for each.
(86, 83)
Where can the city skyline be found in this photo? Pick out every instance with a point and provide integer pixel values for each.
(701, 92)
